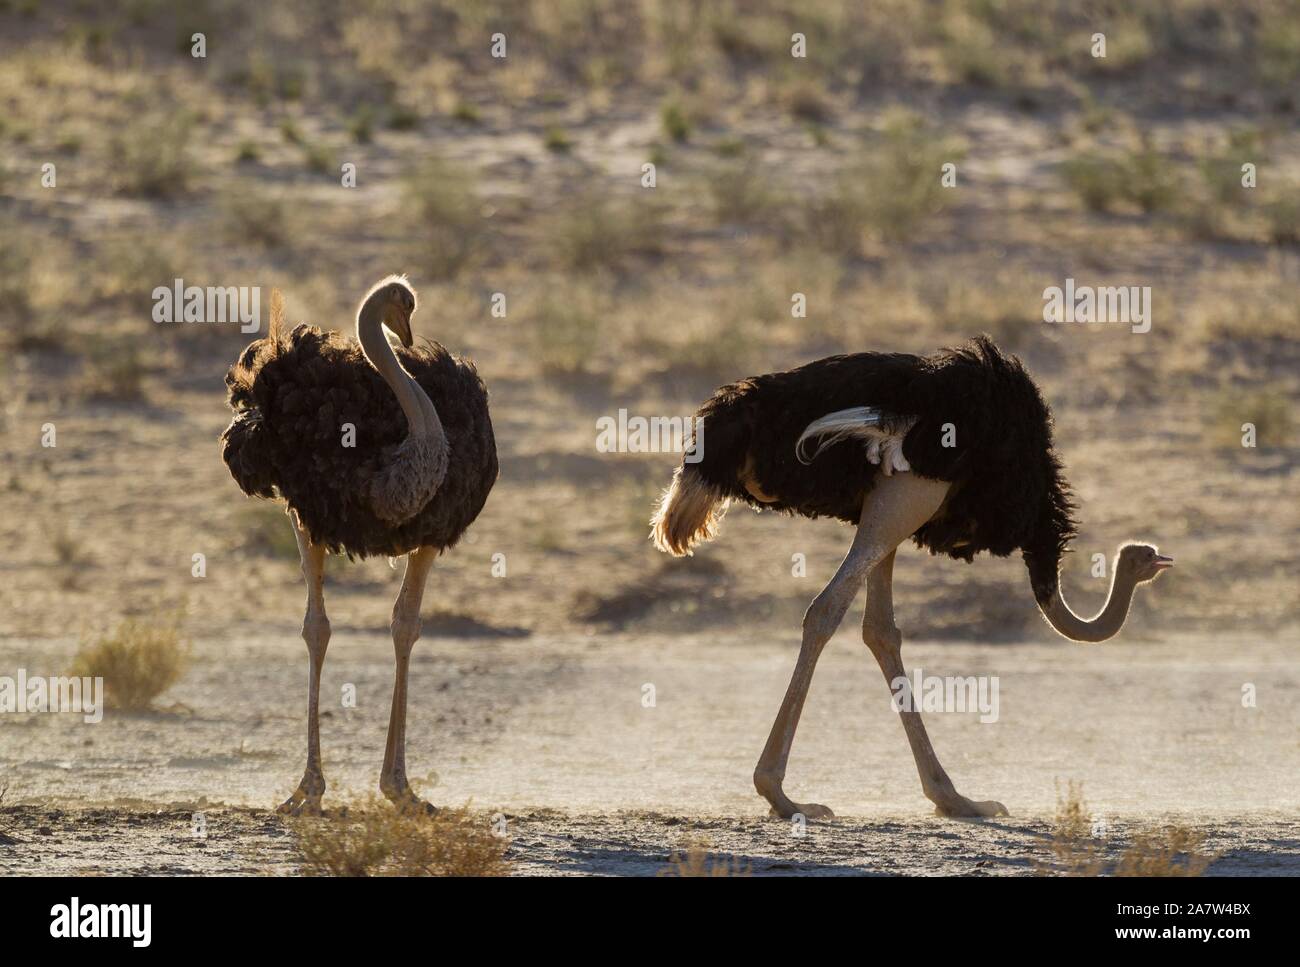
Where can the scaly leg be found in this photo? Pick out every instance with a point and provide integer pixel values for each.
(896, 507)
(886, 643)
(316, 632)
(406, 630)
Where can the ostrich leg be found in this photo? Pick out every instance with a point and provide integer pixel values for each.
(406, 631)
(891, 513)
(316, 632)
(884, 639)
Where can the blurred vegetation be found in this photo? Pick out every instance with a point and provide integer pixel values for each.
(138, 661)
(775, 175)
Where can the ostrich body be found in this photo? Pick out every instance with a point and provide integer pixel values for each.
(952, 450)
(408, 476)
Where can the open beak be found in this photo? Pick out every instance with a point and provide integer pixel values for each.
(1164, 562)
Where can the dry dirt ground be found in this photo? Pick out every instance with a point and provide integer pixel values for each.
(554, 734)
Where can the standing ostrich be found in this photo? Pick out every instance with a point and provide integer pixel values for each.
(958, 457)
(408, 476)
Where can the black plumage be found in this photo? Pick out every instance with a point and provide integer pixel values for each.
(292, 394)
(1008, 491)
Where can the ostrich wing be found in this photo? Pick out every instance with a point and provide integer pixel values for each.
(410, 477)
(882, 431)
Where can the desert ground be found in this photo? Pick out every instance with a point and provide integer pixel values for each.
(552, 734)
(522, 177)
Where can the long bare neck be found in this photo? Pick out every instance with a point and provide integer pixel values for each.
(421, 417)
(1105, 624)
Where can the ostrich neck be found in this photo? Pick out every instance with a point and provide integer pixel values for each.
(1104, 625)
(421, 417)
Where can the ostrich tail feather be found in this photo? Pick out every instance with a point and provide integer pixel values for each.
(688, 514)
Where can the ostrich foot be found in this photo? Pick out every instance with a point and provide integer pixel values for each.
(811, 810)
(400, 794)
(954, 806)
(305, 800)
(782, 806)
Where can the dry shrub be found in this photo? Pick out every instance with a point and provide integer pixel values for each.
(1277, 62)
(594, 233)
(138, 662)
(1173, 850)
(447, 227)
(375, 839)
(972, 51)
(72, 560)
(129, 266)
(568, 326)
(1075, 852)
(15, 296)
(1248, 303)
(34, 291)
(1140, 177)
(891, 193)
(697, 860)
(1267, 410)
(151, 156)
(267, 530)
(743, 193)
(1282, 216)
(116, 370)
(257, 217)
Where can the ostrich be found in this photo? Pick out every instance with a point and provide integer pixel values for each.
(958, 457)
(408, 476)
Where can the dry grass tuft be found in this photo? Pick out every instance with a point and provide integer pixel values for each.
(1078, 850)
(151, 156)
(70, 557)
(594, 233)
(890, 194)
(15, 297)
(1174, 850)
(1267, 410)
(261, 218)
(1140, 177)
(375, 839)
(1075, 852)
(267, 530)
(115, 370)
(742, 193)
(567, 328)
(447, 226)
(138, 662)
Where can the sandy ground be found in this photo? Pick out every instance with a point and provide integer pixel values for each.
(555, 734)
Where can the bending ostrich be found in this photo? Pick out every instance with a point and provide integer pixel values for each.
(958, 457)
(414, 476)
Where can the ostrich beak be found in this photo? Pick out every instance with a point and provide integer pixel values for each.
(1164, 562)
(399, 320)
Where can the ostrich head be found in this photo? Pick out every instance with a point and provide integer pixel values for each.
(1141, 563)
(1134, 564)
(395, 301)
